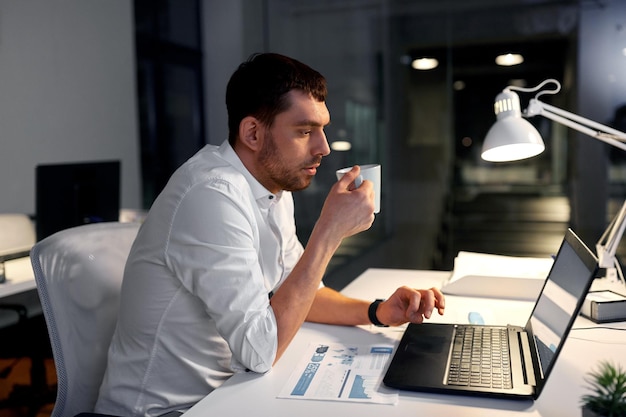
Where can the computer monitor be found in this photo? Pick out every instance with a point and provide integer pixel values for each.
(72, 194)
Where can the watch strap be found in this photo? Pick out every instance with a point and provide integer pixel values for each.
(371, 313)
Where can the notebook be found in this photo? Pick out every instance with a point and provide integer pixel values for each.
(428, 357)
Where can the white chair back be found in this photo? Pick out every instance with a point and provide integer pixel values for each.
(79, 275)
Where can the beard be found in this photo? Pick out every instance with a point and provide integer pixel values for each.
(287, 177)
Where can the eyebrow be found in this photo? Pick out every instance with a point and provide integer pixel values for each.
(308, 122)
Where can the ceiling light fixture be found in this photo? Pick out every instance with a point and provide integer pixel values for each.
(508, 60)
(341, 145)
(425, 63)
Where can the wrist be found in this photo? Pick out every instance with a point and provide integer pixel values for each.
(371, 313)
(324, 236)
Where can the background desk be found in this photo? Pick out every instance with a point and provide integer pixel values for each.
(19, 277)
(19, 288)
(254, 394)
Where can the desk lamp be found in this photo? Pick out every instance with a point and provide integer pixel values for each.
(513, 138)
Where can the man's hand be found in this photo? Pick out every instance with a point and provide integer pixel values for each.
(348, 210)
(410, 305)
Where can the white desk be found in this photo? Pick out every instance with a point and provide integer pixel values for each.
(254, 394)
(19, 277)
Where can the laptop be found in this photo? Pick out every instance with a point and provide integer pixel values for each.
(431, 356)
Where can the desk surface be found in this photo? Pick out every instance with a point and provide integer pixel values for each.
(19, 277)
(254, 394)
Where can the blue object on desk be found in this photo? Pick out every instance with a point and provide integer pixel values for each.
(475, 318)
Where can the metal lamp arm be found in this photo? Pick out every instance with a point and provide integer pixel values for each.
(589, 127)
(607, 245)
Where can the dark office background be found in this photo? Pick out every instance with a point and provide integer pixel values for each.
(152, 86)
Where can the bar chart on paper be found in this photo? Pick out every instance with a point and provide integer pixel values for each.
(335, 372)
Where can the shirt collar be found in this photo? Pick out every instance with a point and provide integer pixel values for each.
(260, 193)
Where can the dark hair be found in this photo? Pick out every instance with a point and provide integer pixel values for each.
(259, 87)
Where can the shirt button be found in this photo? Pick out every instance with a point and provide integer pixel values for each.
(271, 197)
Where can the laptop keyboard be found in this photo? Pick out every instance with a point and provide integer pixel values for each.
(480, 358)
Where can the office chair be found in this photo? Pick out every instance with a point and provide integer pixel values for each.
(79, 276)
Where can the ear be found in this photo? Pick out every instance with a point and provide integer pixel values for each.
(250, 133)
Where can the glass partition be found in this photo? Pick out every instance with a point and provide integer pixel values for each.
(344, 42)
(426, 127)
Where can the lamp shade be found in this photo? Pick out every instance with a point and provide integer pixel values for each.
(511, 138)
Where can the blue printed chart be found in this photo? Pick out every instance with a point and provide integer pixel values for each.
(337, 372)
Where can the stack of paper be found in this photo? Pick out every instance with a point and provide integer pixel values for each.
(497, 276)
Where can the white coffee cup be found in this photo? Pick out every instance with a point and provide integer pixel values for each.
(370, 172)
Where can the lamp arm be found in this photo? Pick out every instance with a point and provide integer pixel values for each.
(608, 242)
(607, 245)
(595, 130)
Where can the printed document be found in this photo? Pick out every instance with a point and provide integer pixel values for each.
(497, 276)
(338, 372)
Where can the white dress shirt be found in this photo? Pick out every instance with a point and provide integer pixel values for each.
(194, 305)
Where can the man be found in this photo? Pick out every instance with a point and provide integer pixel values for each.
(217, 281)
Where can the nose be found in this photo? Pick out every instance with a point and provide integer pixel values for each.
(322, 147)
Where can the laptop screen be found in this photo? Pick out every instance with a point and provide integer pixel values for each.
(561, 298)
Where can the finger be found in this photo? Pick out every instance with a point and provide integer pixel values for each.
(428, 303)
(413, 309)
(358, 181)
(440, 302)
(347, 181)
(417, 318)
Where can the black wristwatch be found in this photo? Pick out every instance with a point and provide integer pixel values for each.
(371, 312)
